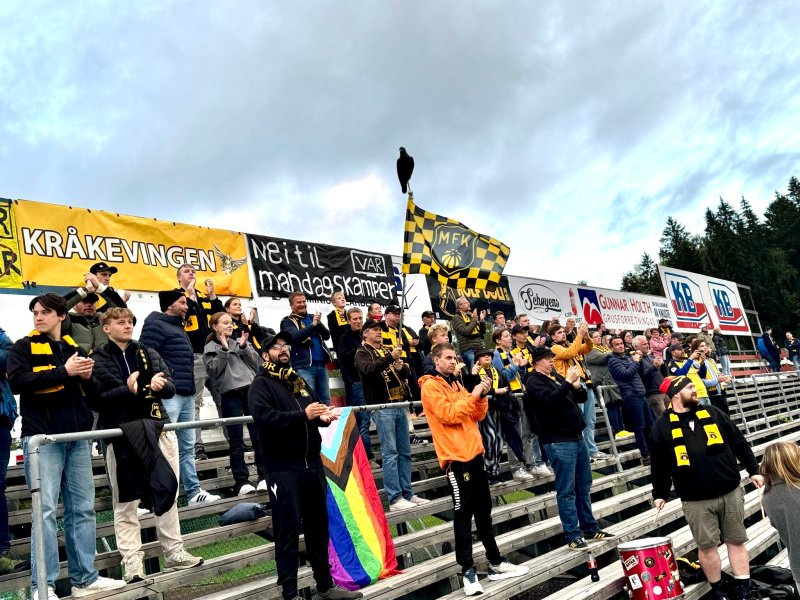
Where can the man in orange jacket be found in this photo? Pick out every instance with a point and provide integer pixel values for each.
(453, 414)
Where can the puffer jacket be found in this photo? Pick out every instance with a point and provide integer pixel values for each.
(628, 375)
(116, 403)
(165, 335)
(230, 368)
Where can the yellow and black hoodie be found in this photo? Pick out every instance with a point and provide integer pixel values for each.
(50, 400)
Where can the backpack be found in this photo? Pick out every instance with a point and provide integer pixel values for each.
(774, 578)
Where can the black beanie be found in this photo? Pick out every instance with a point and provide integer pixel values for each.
(672, 385)
(167, 298)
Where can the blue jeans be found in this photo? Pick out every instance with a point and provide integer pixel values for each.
(316, 377)
(355, 397)
(570, 461)
(614, 410)
(639, 418)
(590, 418)
(392, 425)
(66, 468)
(796, 362)
(469, 360)
(5, 454)
(725, 363)
(234, 404)
(180, 410)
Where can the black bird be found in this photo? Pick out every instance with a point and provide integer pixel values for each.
(405, 167)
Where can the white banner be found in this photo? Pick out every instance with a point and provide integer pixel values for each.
(542, 299)
(696, 299)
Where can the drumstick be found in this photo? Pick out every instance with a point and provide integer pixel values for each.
(658, 510)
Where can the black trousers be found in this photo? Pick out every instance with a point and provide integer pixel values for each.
(470, 491)
(299, 497)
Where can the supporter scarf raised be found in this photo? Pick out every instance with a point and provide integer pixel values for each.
(42, 357)
(145, 377)
(287, 374)
(205, 304)
(713, 435)
(341, 318)
(514, 383)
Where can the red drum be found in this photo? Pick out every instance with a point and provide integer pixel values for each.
(651, 572)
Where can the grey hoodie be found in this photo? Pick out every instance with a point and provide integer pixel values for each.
(230, 368)
(782, 505)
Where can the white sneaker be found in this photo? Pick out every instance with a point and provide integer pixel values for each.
(101, 584)
(540, 471)
(134, 567)
(521, 475)
(401, 504)
(262, 486)
(203, 496)
(471, 584)
(51, 593)
(417, 500)
(181, 559)
(246, 489)
(141, 511)
(600, 455)
(506, 570)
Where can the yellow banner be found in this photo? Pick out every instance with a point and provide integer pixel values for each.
(10, 267)
(60, 243)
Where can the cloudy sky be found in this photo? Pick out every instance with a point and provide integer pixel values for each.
(569, 130)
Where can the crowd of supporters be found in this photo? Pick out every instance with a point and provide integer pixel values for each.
(485, 382)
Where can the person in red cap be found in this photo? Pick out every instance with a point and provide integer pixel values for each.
(696, 448)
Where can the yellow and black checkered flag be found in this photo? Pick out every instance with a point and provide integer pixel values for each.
(456, 255)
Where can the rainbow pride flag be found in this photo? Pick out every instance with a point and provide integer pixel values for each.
(360, 549)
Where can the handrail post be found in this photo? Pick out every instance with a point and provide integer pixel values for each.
(37, 514)
(739, 405)
(760, 400)
(600, 389)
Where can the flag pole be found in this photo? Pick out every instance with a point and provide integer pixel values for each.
(403, 298)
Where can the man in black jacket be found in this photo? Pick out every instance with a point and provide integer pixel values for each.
(552, 404)
(199, 308)
(383, 374)
(696, 447)
(53, 378)
(163, 332)
(349, 342)
(132, 380)
(288, 414)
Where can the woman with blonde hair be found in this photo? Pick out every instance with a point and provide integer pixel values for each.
(781, 470)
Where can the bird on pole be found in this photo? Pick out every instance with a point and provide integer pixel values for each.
(405, 167)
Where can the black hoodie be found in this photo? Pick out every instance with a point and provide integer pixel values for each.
(289, 441)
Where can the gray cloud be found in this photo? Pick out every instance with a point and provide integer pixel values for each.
(527, 120)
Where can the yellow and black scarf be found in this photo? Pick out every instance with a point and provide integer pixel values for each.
(341, 318)
(42, 357)
(394, 385)
(204, 302)
(514, 383)
(493, 374)
(526, 354)
(389, 339)
(713, 435)
(288, 375)
(467, 318)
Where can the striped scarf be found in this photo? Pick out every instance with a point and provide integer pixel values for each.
(42, 358)
(288, 375)
(713, 435)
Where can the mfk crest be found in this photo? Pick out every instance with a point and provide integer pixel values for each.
(453, 248)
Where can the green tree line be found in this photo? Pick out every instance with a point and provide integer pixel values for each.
(763, 253)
